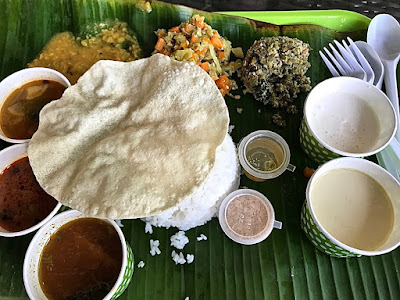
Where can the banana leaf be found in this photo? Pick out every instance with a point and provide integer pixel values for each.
(286, 265)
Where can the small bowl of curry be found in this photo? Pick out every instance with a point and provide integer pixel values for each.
(24, 205)
(22, 95)
(75, 256)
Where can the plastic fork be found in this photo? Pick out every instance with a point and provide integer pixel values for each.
(353, 48)
(343, 64)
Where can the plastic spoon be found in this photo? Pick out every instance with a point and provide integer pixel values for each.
(387, 158)
(384, 36)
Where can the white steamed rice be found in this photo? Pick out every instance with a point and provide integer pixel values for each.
(203, 204)
(154, 247)
(202, 237)
(178, 258)
(179, 240)
(189, 258)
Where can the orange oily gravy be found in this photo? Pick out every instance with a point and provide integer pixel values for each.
(130, 140)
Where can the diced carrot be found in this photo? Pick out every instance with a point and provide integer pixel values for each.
(195, 57)
(200, 23)
(201, 51)
(184, 44)
(308, 172)
(221, 55)
(194, 39)
(206, 39)
(205, 66)
(187, 27)
(223, 84)
(217, 42)
(165, 52)
(160, 44)
(175, 29)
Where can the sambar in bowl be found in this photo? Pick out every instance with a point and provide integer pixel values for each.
(22, 96)
(78, 257)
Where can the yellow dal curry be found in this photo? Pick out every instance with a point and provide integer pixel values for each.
(73, 56)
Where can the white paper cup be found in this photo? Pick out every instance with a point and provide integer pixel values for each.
(7, 157)
(22, 77)
(41, 238)
(334, 126)
(321, 238)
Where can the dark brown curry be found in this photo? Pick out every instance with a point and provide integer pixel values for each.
(82, 260)
(23, 203)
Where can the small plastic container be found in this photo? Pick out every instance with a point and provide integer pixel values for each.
(264, 155)
(247, 217)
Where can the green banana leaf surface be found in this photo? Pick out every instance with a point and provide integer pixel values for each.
(286, 265)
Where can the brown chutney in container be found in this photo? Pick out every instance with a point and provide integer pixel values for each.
(248, 216)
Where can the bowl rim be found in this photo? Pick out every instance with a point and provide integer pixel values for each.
(339, 81)
(316, 221)
(17, 156)
(50, 228)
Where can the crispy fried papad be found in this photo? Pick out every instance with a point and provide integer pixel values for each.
(130, 139)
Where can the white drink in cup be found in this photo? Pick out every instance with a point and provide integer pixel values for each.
(352, 208)
(346, 116)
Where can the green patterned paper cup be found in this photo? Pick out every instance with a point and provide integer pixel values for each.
(32, 257)
(345, 116)
(321, 238)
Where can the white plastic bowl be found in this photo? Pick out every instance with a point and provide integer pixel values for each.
(41, 238)
(18, 79)
(7, 157)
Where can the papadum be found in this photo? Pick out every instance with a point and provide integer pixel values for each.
(130, 139)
